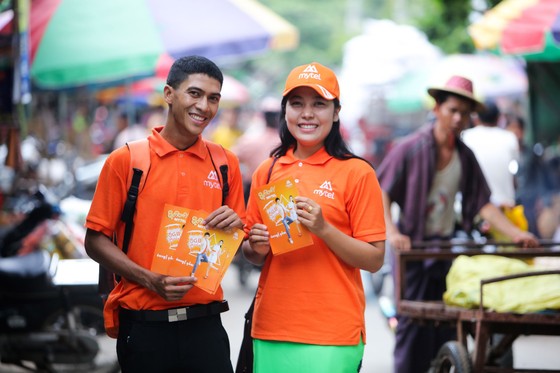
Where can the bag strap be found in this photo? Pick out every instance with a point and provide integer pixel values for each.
(270, 169)
(140, 159)
(219, 157)
(140, 164)
(245, 358)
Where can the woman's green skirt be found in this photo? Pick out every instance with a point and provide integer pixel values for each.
(284, 357)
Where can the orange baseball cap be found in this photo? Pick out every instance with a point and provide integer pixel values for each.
(314, 75)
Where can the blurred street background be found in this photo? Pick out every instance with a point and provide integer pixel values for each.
(67, 102)
(535, 352)
(78, 79)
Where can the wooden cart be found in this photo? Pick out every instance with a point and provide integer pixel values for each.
(480, 323)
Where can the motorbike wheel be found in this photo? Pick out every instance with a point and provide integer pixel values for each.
(245, 269)
(89, 318)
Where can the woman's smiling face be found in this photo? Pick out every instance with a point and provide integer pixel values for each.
(310, 118)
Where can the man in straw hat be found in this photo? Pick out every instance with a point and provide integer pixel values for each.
(422, 174)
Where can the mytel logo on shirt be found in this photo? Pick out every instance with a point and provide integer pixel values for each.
(212, 181)
(325, 190)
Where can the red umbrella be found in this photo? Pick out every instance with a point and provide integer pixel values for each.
(527, 28)
(149, 91)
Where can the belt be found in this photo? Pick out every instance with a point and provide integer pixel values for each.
(176, 314)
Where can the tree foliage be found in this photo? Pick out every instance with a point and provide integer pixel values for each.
(445, 23)
(325, 25)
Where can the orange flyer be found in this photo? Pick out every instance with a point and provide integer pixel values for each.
(206, 253)
(277, 206)
(173, 220)
(200, 252)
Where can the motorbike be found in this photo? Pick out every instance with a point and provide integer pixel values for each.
(51, 315)
(244, 268)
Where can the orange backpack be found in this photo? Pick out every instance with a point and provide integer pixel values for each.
(140, 164)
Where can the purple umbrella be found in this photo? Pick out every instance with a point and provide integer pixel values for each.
(102, 42)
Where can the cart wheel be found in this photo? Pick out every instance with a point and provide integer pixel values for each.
(452, 357)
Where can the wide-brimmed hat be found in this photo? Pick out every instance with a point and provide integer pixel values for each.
(458, 85)
(320, 78)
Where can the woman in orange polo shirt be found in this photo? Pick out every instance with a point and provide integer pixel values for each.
(310, 302)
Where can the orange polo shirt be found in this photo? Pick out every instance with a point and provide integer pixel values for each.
(309, 295)
(178, 177)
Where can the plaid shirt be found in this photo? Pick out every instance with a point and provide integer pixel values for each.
(408, 170)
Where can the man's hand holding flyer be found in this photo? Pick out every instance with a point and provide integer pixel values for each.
(197, 251)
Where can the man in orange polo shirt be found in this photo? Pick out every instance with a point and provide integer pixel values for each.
(144, 308)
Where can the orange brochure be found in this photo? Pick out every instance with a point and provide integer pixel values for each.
(277, 206)
(173, 220)
(203, 253)
(207, 253)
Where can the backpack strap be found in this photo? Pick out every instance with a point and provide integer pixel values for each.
(140, 164)
(139, 159)
(219, 158)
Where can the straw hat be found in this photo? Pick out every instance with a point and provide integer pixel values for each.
(460, 86)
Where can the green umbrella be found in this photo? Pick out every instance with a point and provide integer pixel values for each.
(80, 44)
(409, 94)
(493, 76)
(103, 42)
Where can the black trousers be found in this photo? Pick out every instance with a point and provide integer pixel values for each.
(199, 345)
(416, 345)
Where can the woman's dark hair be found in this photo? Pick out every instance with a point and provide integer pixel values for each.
(185, 66)
(513, 118)
(334, 143)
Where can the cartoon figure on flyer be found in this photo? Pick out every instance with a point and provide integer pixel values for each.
(202, 254)
(213, 258)
(292, 212)
(286, 218)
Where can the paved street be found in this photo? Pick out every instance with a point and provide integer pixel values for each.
(536, 352)
(378, 351)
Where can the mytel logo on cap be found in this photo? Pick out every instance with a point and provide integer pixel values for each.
(316, 76)
(310, 72)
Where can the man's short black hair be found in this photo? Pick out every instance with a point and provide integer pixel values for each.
(490, 114)
(185, 66)
(441, 96)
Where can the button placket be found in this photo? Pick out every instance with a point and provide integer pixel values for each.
(182, 181)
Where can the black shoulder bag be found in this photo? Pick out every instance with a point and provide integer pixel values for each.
(245, 359)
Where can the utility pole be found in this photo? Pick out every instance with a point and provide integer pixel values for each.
(353, 22)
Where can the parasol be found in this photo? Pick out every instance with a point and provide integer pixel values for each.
(526, 28)
(493, 76)
(149, 91)
(101, 42)
(529, 29)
